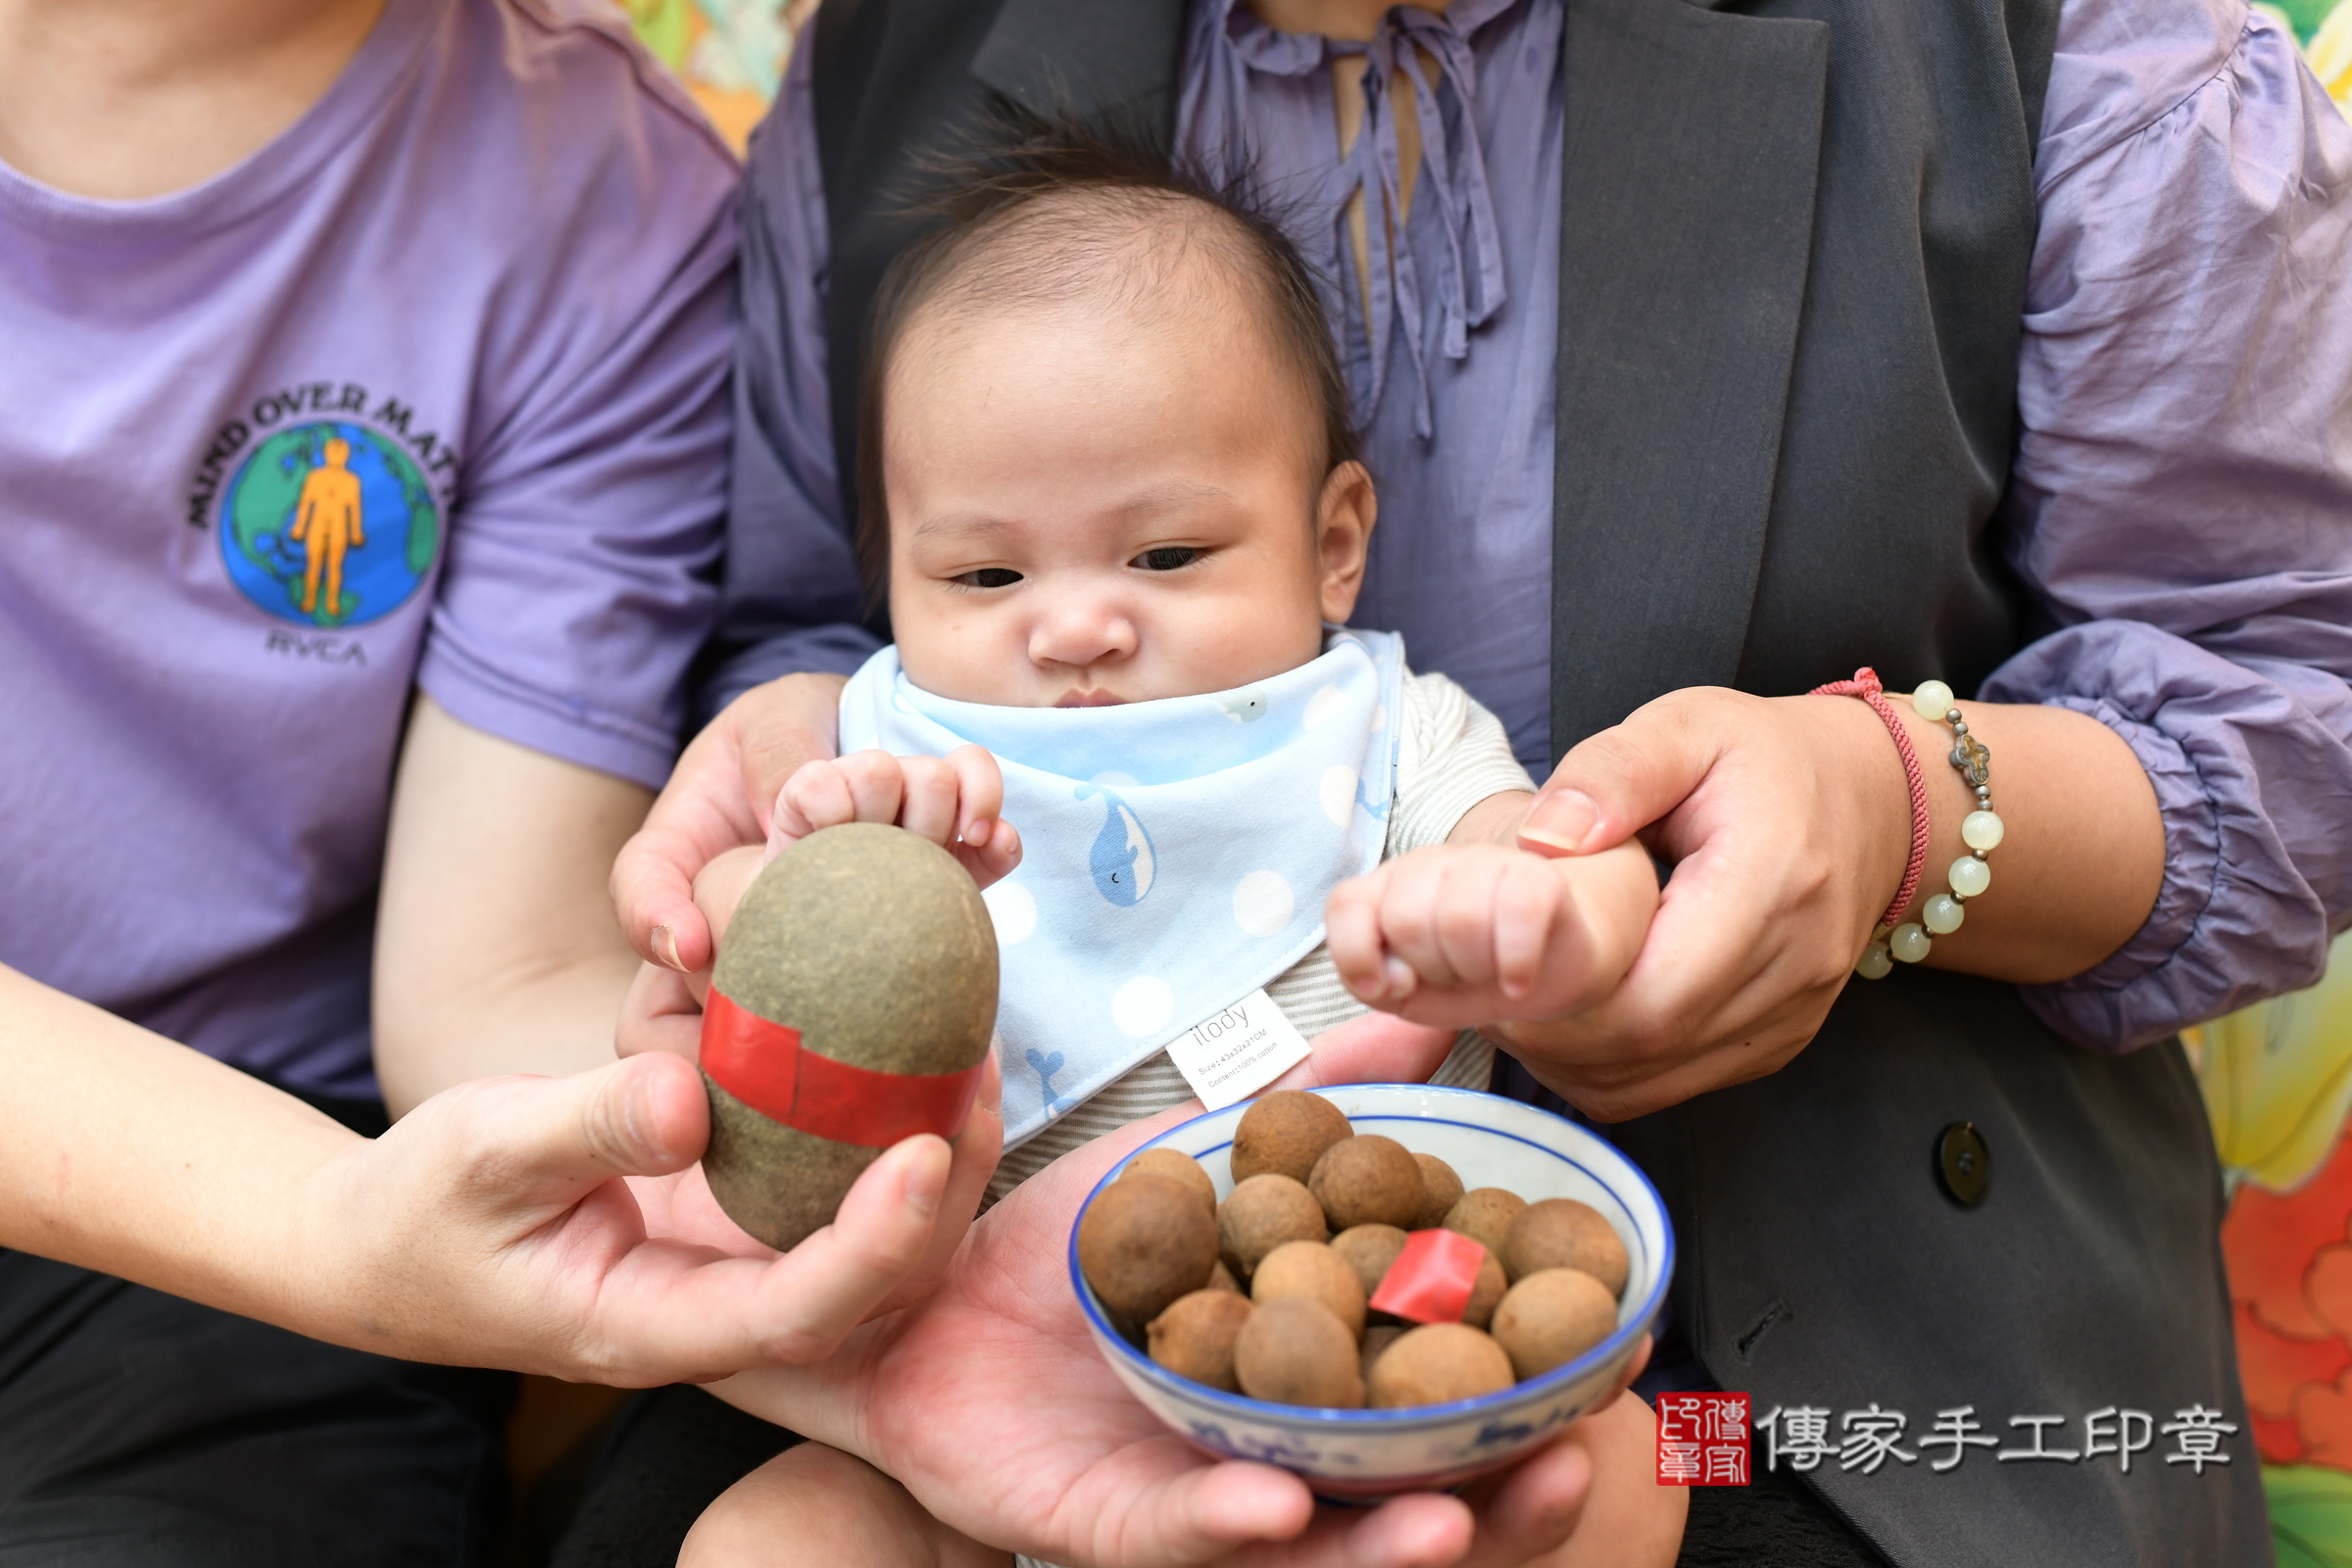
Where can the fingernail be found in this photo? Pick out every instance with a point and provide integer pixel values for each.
(666, 948)
(976, 832)
(1560, 818)
(924, 1184)
(1396, 977)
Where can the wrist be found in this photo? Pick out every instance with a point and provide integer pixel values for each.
(1869, 793)
(322, 1284)
(1494, 820)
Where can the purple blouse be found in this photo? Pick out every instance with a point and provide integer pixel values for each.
(2182, 504)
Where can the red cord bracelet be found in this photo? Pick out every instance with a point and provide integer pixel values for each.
(1866, 686)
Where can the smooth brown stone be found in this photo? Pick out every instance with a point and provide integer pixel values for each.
(874, 945)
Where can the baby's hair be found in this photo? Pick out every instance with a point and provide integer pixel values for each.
(1038, 211)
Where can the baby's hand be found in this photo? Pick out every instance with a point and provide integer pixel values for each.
(1462, 934)
(953, 801)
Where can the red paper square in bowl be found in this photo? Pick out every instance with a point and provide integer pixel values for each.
(1432, 1279)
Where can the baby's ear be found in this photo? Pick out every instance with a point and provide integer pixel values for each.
(1344, 516)
(722, 884)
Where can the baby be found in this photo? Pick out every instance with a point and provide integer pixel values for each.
(1106, 466)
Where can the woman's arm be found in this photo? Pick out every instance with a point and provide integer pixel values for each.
(496, 950)
(2074, 877)
(2182, 503)
(486, 1229)
(1789, 821)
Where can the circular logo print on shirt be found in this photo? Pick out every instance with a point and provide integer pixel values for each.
(329, 524)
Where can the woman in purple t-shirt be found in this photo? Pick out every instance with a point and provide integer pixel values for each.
(363, 401)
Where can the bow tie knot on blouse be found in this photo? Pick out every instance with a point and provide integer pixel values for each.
(1428, 55)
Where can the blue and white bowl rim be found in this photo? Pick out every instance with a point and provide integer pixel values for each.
(1559, 1377)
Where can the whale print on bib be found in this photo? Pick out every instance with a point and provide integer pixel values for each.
(1243, 705)
(1122, 862)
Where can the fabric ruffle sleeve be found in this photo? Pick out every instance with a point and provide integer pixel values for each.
(2182, 505)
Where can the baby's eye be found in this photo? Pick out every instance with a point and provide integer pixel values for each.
(989, 577)
(1167, 558)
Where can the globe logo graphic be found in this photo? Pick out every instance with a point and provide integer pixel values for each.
(329, 524)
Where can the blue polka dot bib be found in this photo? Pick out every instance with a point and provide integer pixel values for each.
(1176, 854)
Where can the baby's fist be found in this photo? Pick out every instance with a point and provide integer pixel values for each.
(953, 801)
(1476, 932)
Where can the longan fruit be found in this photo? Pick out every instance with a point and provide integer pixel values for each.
(1551, 1317)
(1293, 1351)
(1367, 1180)
(1312, 1269)
(1285, 1133)
(1485, 1215)
(1487, 1293)
(1262, 1213)
(1176, 1167)
(1377, 1339)
(1369, 1249)
(1437, 1363)
(1221, 1278)
(1194, 1337)
(1441, 1189)
(1562, 1233)
(1145, 1241)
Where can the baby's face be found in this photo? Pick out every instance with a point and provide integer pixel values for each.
(1085, 513)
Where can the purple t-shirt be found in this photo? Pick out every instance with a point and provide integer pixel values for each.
(431, 391)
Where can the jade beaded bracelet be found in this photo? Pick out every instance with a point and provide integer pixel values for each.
(1981, 830)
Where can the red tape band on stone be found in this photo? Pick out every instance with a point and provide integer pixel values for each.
(764, 1065)
(1432, 1279)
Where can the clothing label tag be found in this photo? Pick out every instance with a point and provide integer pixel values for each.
(1235, 1052)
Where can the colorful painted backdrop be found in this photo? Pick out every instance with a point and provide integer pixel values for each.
(2278, 1083)
(2277, 1080)
(729, 53)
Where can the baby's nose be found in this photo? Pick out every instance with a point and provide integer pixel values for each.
(1081, 632)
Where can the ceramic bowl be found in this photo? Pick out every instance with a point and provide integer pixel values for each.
(1491, 1142)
